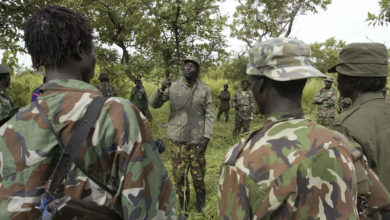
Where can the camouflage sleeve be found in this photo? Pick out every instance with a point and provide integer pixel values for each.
(143, 184)
(208, 115)
(331, 101)
(234, 101)
(319, 187)
(5, 108)
(317, 98)
(158, 98)
(379, 197)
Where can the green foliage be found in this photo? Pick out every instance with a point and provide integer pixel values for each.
(383, 18)
(255, 20)
(326, 54)
(22, 86)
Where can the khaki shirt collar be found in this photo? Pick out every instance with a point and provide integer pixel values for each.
(368, 97)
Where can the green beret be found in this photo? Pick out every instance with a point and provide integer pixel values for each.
(363, 59)
(4, 69)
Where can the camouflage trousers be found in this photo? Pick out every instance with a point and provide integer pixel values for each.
(221, 111)
(240, 123)
(186, 158)
(325, 121)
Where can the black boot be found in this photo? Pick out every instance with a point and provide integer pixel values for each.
(227, 119)
(200, 201)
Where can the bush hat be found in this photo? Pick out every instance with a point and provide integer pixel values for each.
(362, 59)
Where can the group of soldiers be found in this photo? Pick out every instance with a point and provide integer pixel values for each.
(290, 168)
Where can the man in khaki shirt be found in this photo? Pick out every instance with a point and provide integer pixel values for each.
(190, 126)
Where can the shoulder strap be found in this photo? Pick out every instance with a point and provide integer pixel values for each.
(70, 152)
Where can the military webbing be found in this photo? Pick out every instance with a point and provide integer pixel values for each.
(79, 135)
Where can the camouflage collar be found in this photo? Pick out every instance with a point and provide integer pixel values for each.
(280, 117)
(69, 85)
(368, 97)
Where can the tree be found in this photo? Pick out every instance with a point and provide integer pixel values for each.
(383, 18)
(255, 20)
(326, 54)
(185, 27)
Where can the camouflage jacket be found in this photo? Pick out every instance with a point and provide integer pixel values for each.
(192, 111)
(326, 101)
(106, 89)
(118, 153)
(244, 103)
(138, 98)
(343, 104)
(224, 97)
(292, 168)
(6, 104)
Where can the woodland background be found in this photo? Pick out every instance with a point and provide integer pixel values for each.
(148, 40)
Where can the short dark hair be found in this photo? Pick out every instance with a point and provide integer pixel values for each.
(364, 84)
(246, 81)
(53, 34)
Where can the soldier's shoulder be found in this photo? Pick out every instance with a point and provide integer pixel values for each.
(346, 115)
(203, 85)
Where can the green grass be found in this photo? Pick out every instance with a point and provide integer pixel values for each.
(220, 142)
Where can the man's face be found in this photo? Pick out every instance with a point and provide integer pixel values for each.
(244, 86)
(328, 84)
(344, 88)
(225, 87)
(190, 70)
(259, 97)
(7, 81)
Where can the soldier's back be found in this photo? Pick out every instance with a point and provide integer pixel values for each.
(290, 169)
(368, 122)
(119, 141)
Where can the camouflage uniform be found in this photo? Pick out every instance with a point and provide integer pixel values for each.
(292, 167)
(191, 119)
(225, 104)
(343, 104)
(244, 104)
(139, 98)
(118, 153)
(6, 104)
(106, 89)
(326, 101)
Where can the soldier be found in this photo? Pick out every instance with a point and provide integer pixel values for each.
(190, 126)
(224, 96)
(292, 167)
(326, 101)
(244, 104)
(139, 98)
(6, 103)
(104, 87)
(122, 170)
(362, 75)
(343, 104)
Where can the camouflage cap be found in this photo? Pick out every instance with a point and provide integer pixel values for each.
(328, 79)
(4, 69)
(193, 59)
(103, 75)
(363, 59)
(282, 59)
